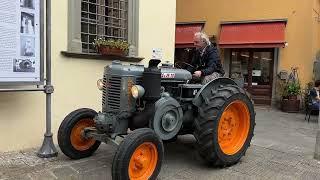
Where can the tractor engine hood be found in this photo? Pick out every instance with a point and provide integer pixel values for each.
(173, 74)
(168, 73)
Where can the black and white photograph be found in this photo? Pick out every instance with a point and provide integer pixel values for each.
(27, 4)
(23, 65)
(27, 23)
(27, 46)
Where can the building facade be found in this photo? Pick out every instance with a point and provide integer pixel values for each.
(258, 39)
(146, 24)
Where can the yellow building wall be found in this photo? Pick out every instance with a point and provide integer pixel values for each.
(299, 30)
(158, 20)
(22, 122)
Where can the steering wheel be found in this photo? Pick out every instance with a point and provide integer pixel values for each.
(187, 64)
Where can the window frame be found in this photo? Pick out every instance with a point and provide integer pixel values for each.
(74, 27)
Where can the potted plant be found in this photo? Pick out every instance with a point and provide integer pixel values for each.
(116, 47)
(292, 90)
(290, 101)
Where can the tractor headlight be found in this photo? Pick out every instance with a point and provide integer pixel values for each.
(137, 91)
(100, 84)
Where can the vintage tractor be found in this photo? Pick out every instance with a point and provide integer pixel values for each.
(147, 106)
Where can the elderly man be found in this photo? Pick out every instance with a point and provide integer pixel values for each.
(206, 60)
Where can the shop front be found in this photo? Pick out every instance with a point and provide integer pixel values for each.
(269, 39)
(251, 55)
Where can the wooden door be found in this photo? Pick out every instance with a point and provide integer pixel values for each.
(255, 66)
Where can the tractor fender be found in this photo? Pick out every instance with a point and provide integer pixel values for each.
(208, 89)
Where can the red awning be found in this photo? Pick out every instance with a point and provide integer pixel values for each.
(253, 35)
(185, 33)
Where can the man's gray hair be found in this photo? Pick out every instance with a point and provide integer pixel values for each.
(203, 37)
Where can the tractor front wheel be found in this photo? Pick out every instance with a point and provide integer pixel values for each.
(138, 157)
(224, 126)
(70, 135)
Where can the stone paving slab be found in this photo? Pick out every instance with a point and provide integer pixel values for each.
(259, 163)
(281, 149)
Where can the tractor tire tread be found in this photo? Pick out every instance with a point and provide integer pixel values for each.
(123, 154)
(207, 119)
(64, 132)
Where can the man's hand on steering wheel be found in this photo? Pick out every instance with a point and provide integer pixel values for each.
(197, 74)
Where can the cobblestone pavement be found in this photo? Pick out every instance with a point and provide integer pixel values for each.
(282, 148)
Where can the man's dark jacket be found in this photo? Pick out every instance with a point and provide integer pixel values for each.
(208, 63)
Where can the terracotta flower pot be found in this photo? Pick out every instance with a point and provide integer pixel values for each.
(106, 50)
(293, 97)
(290, 105)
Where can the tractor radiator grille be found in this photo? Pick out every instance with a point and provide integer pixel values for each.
(111, 93)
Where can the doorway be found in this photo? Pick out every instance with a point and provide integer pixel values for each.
(254, 67)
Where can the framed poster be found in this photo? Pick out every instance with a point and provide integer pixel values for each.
(21, 42)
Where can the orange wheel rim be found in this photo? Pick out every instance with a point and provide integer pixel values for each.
(234, 127)
(143, 162)
(79, 142)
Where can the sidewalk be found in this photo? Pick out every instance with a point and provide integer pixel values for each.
(282, 148)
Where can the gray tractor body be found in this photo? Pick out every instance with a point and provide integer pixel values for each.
(158, 103)
(165, 87)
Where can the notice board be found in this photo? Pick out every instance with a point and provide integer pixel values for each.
(21, 42)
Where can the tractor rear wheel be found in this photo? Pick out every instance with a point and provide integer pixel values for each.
(139, 156)
(70, 134)
(224, 126)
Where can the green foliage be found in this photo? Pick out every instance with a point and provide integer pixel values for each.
(291, 86)
(112, 43)
(293, 89)
(289, 89)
